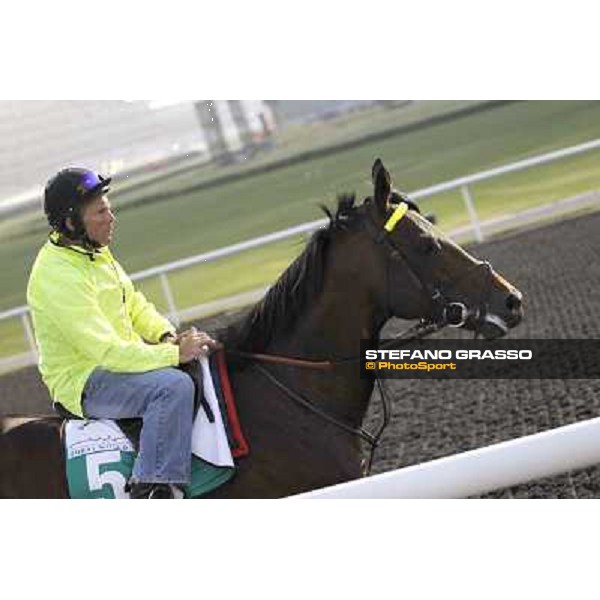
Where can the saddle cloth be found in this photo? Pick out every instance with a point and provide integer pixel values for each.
(100, 457)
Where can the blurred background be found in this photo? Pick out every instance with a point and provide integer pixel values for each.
(191, 177)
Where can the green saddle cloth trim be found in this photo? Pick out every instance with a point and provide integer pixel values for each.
(206, 477)
(103, 475)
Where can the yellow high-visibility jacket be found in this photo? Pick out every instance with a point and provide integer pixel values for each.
(87, 314)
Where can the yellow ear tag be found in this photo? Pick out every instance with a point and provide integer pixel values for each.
(396, 216)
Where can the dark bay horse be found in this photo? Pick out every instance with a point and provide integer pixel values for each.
(376, 260)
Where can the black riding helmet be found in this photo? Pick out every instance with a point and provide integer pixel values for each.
(67, 193)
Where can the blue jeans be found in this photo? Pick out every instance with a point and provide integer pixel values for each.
(164, 398)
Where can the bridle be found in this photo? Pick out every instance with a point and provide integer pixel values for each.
(443, 313)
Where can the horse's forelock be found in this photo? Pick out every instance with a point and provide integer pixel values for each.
(345, 207)
(344, 211)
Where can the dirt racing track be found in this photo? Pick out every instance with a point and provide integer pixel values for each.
(557, 268)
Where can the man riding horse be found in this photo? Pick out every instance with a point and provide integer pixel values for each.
(376, 260)
(105, 351)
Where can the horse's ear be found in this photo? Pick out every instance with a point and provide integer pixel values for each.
(382, 183)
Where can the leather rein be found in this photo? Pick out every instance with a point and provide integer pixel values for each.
(418, 331)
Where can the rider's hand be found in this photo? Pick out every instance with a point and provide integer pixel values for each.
(194, 344)
(190, 347)
(190, 331)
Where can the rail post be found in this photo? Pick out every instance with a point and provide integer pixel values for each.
(29, 333)
(466, 194)
(166, 288)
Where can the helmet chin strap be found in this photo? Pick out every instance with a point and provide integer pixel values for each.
(75, 232)
(90, 243)
(83, 240)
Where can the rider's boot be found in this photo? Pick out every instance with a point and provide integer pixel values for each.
(139, 490)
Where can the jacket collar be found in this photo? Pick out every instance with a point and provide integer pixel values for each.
(57, 240)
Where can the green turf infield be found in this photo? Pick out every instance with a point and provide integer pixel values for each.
(154, 233)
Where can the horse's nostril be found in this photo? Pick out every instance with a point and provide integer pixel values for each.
(513, 302)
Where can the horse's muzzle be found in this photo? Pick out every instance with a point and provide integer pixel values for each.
(492, 327)
(496, 320)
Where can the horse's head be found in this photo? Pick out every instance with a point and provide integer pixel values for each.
(414, 271)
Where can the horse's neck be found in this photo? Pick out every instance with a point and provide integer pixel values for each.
(332, 329)
(338, 325)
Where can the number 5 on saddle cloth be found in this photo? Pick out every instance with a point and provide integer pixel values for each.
(100, 456)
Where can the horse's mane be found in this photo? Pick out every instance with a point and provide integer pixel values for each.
(298, 287)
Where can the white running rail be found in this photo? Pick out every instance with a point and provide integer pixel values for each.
(461, 183)
(482, 470)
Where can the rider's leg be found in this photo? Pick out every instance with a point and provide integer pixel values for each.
(165, 400)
